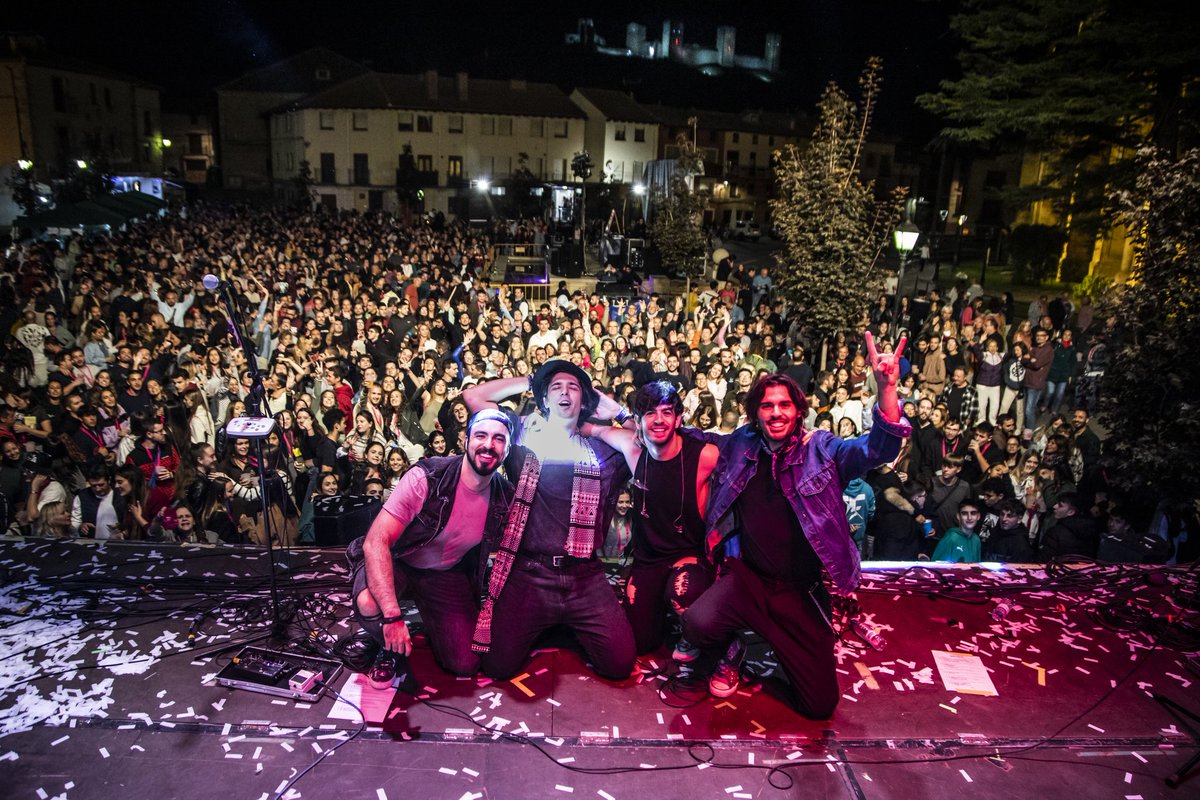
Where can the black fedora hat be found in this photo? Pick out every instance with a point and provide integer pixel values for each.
(541, 382)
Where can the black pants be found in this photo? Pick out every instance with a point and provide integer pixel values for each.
(789, 616)
(655, 588)
(537, 597)
(447, 602)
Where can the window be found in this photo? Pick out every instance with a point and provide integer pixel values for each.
(560, 129)
(639, 134)
(504, 126)
(487, 126)
(637, 171)
(360, 120)
(731, 158)
(754, 139)
(59, 86)
(195, 164)
(619, 133)
(424, 163)
(425, 123)
(195, 144)
(541, 167)
(328, 172)
(771, 141)
(736, 137)
(326, 120)
(147, 123)
(404, 121)
(455, 123)
(146, 152)
(454, 166)
(537, 128)
(322, 73)
(362, 172)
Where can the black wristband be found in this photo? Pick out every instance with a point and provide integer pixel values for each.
(390, 620)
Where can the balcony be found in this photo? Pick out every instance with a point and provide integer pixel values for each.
(456, 182)
(420, 179)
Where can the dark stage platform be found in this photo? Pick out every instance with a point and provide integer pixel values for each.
(108, 658)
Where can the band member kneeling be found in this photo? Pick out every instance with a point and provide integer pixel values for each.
(430, 543)
(670, 489)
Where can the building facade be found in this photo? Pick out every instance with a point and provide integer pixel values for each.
(60, 115)
(461, 132)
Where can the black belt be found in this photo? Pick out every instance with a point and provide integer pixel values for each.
(556, 562)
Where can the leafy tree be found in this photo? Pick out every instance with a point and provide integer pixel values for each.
(1085, 83)
(677, 227)
(1150, 393)
(833, 226)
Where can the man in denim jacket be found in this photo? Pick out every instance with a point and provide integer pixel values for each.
(778, 508)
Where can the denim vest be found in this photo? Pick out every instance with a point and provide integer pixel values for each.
(811, 476)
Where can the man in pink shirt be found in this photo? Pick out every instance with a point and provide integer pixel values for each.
(429, 542)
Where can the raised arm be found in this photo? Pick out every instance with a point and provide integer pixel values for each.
(489, 394)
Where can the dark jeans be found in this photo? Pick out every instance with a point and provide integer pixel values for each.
(537, 597)
(447, 602)
(655, 588)
(788, 616)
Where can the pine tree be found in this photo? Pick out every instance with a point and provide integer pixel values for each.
(677, 228)
(834, 227)
(1150, 393)
(1085, 83)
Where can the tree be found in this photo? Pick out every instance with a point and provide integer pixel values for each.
(1083, 82)
(833, 226)
(1150, 392)
(677, 228)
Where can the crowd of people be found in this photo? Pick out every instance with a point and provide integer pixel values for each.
(650, 428)
(120, 375)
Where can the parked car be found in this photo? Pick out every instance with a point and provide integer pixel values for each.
(746, 230)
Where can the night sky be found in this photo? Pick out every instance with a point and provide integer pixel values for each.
(189, 48)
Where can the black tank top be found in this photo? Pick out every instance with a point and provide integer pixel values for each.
(667, 525)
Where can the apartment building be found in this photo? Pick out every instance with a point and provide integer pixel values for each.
(461, 130)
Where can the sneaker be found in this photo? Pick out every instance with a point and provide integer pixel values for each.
(685, 651)
(382, 674)
(728, 675)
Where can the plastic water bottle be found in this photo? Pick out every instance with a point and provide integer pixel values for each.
(871, 636)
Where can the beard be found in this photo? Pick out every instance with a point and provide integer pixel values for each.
(485, 469)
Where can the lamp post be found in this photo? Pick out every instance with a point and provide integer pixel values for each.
(905, 237)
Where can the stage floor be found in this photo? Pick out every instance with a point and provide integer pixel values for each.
(101, 692)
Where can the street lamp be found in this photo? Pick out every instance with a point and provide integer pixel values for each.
(166, 142)
(24, 164)
(81, 163)
(483, 184)
(905, 237)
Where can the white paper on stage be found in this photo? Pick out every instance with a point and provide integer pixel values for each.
(964, 673)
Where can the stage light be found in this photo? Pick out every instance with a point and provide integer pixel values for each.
(639, 189)
(24, 163)
(483, 184)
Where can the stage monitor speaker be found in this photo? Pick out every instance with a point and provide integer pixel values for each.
(570, 261)
(339, 520)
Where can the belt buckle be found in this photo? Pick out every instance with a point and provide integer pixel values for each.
(556, 561)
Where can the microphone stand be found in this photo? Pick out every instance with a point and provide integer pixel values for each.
(255, 426)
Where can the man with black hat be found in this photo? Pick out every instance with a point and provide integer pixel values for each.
(546, 572)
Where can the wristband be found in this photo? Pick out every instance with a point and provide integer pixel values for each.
(390, 620)
(622, 416)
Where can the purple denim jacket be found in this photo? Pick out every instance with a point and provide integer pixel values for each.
(811, 475)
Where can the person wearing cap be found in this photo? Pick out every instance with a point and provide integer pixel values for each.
(426, 544)
(546, 572)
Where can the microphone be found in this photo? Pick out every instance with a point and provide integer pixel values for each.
(211, 282)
